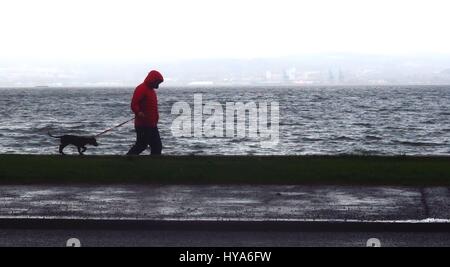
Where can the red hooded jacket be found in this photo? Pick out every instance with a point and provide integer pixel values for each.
(145, 100)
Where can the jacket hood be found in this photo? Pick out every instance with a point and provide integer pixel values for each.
(153, 77)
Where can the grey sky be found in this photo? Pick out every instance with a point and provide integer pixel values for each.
(128, 30)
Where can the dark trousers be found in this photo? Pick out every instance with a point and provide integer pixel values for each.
(146, 136)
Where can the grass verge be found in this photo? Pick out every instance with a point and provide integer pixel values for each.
(340, 170)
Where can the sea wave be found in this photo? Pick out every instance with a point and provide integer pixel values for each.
(314, 121)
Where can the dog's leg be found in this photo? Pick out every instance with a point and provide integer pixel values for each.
(61, 148)
(79, 151)
(84, 149)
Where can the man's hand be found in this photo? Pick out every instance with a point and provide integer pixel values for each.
(141, 114)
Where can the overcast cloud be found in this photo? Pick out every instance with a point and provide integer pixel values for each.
(128, 30)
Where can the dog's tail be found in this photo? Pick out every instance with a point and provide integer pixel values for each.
(53, 135)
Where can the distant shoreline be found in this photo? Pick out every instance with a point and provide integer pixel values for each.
(185, 86)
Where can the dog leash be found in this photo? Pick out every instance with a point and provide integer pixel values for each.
(117, 126)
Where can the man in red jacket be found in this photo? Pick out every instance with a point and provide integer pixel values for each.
(145, 107)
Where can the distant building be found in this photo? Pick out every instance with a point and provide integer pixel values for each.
(335, 75)
(268, 76)
(290, 75)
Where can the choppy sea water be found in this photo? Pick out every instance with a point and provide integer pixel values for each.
(387, 120)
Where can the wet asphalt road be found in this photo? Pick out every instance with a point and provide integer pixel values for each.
(218, 204)
(149, 238)
(225, 202)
